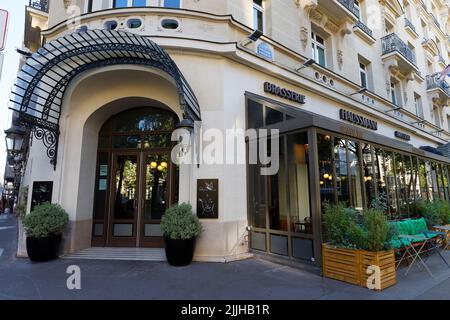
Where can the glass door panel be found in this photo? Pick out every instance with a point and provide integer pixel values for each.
(155, 189)
(124, 199)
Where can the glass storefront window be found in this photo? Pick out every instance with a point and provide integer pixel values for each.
(354, 177)
(440, 182)
(257, 194)
(297, 146)
(326, 170)
(415, 183)
(423, 181)
(402, 187)
(277, 190)
(369, 175)
(380, 173)
(340, 164)
(391, 183)
(432, 180)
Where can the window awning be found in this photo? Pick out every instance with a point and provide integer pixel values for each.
(38, 92)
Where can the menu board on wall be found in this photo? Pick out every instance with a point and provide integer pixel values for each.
(42, 192)
(208, 198)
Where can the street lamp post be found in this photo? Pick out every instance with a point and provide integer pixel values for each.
(14, 137)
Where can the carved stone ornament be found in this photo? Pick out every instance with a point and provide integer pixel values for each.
(304, 36)
(316, 15)
(332, 26)
(67, 3)
(307, 5)
(340, 58)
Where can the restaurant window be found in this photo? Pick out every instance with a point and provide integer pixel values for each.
(440, 174)
(369, 175)
(415, 181)
(445, 181)
(389, 166)
(258, 15)
(430, 181)
(401, 185)
(355, 179)
(423, 181)
(255, 114)
(326, 169)
(297, 146)
(318, 49)
(257, 196)
(277, 190)
(340, 164)
(380, 173)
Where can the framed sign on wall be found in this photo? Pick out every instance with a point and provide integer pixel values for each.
(42, 192)
(208, 198)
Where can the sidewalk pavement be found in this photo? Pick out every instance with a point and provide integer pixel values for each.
(248, 279)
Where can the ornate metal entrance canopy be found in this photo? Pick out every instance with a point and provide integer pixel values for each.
(38, 92)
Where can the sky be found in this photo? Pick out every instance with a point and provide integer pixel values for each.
(14, 39)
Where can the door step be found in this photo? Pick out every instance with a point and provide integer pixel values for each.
(126, 254)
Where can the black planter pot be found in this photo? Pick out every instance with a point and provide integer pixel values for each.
(43, 249)
(179, 252)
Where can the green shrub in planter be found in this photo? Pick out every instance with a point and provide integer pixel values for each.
(377, 231)
(45, 220)
(345, 227)
(437, 212)
(179, 222)
(44, 227)
(180, 227)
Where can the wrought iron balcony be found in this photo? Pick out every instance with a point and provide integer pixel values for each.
(392, 43)
(409, 25)
(350, 5)
(433, 82)
(41, 5)
(364, 28)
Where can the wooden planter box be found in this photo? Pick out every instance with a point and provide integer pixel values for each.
(350, 265)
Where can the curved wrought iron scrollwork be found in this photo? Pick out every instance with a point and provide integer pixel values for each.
(50, 141)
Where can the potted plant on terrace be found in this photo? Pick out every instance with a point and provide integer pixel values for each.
(44, 227)
(357, 243)
(181, 228)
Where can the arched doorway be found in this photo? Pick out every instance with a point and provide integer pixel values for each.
(135, 178)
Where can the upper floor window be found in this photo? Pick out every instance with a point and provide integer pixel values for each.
(394, 94)
(318, 49)
(129, 3)
(258, 15)
(418, 105)
(89, 6)
(171, 3)
(363, 74)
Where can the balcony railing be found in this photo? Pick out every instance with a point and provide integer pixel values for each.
(350, 5)
(392, 43)
(364, 28)
(41, 5)
(409, 25)
(433, 82)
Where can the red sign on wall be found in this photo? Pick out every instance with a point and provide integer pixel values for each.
(4, 15)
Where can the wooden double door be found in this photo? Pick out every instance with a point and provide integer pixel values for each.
(140, 191)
